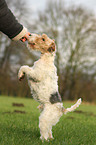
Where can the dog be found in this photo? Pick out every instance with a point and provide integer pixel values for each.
(43, 81)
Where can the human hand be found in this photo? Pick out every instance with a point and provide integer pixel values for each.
(25, 37)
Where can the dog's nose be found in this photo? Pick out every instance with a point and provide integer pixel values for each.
(52, 47)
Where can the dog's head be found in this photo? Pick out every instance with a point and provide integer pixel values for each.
(41, 43)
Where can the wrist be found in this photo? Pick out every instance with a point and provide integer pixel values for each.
(20, 35)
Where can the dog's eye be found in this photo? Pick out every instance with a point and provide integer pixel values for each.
(32, 43)
(43, 39)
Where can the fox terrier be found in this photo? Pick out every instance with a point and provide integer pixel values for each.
(43, 81)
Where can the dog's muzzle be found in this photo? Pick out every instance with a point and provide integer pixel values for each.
(52, 48)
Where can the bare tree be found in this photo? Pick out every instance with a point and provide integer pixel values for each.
(14, 54)
(11, 52)
(74, 31)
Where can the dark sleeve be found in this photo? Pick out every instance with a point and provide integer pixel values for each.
(8, 23)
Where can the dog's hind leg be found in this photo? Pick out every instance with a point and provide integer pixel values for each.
(44, 131)
(45, 124)
(48, 118)
(44, 127)
(50, 134)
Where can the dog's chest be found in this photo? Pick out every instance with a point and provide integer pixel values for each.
(42, 89)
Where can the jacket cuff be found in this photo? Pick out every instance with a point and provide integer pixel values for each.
(20, 35)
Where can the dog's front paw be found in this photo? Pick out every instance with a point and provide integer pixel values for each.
(21, 75)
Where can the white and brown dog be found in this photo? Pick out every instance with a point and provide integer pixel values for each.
(43, 82)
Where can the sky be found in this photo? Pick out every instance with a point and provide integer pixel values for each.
(89, 4)
(40, 4)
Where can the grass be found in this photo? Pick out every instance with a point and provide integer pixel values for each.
(17, 128)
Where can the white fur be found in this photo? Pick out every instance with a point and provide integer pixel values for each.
(44, 71)
(43, 82)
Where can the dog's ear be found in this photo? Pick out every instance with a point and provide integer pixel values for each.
(44, 35)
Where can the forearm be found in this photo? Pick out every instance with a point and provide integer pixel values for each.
(31, 73)
(27, 70)
(8, 23)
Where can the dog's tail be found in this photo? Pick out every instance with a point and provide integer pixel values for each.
(72, 108)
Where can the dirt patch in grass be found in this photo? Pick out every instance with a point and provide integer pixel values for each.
(7, 112)
(85, 113)
(15, 111)
(17, 104)
(18, 111)
(70, 117)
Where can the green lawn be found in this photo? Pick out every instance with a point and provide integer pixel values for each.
(21, 128)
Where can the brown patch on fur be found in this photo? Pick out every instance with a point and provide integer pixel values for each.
(18, 104)
(21, 78)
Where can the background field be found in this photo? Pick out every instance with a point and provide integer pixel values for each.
(19, 125)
